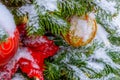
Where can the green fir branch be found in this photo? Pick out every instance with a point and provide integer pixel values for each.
(3, 35)
(48, 21)
(54, 24)
(16, 3)
(79, 57)
(115, 40)
(52, 71)
(57, 22)
(68, 8)
(105, 17)
(115, 56)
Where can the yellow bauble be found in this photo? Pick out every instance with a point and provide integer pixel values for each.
(82, 31)
(21, 19)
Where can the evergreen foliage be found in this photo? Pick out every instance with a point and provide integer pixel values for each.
(74, 63)
(3, 35)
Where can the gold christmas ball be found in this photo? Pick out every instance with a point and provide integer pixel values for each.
(82, 30)
(21, 19)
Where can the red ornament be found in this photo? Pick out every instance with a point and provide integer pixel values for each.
(40, 48)
(9, 48)
(41, 44)
(30, 59)
(9, 69)
(21, 29)
(32, 68)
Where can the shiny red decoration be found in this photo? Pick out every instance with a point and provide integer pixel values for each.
(38, 49)
(9, 48)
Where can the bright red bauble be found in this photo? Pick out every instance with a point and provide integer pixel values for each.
(9, 48)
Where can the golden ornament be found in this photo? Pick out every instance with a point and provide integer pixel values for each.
(82, 30)
(21, 19)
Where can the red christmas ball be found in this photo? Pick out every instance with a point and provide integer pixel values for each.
(8, 48)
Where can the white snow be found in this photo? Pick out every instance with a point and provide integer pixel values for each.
(18, 76)
(116, 21)
(91, 15)
(79, 73)
(6, 20)
(33, 14)
(2, 33)
(33, 19)
(48, 4)
(37, 79)
(24, 53)
(108, 77)
(102, 55)
(37, 40)
(102, 35)
(106, 5)
(96, 66)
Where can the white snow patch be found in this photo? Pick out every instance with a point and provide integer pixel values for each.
(102, 35)
(33, 19)
(114, 48)
(101, 54)
(116, 21)
(6, 20)
(96, 66)
(108, 77)
(18, 76)
(37, 40)
(37, 78)
(79, 73)
(106, 5)
(2, 33)
(24, 53)
(48, 4)
(92, 15)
